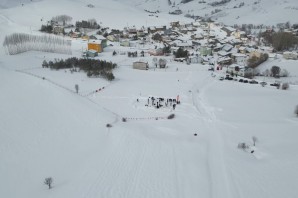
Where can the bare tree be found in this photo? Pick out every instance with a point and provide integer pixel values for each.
(62, 18)
(254, 139)
(77, 88)
(18, 43)
(48, 181)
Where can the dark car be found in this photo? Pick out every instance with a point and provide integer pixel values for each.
(274, 84)
(253, 82)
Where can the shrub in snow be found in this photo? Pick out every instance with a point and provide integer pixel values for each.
(124, 119)
(77, 88)
(243, 146)
(275, 71)
(171, 116)
(285, 86)
(48, 181)
(93, 68)
(109, 125)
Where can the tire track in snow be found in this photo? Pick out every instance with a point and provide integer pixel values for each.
(219, 181)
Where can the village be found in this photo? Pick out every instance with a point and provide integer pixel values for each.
(148, 98)
(199, 42)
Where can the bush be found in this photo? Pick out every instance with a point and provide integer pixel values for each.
(296, 111)
(243, 146)
(181, 53)
(46, 28)
(285, 86)
(275, 70)
(171, 116)
(93, 68)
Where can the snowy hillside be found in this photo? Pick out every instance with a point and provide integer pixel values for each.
(269, 12)
(48, 130)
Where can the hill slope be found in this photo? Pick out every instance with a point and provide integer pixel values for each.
(46, 130)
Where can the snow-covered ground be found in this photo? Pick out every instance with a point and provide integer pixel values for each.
(47, 130)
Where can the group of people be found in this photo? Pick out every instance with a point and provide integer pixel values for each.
(159, 102)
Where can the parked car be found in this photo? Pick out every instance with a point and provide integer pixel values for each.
(275, 84)
(253, 82)
(241, 80)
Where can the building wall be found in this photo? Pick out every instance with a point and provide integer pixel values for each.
(95, 46)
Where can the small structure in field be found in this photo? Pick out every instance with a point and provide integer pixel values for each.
(140, 65)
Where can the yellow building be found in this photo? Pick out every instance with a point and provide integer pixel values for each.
(95, 45)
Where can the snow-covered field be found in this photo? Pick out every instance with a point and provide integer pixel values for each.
(47, 130)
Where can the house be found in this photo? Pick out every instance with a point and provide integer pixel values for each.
(236, 69)
(156, 52)
(75, 34)
(240, 59)
(124, 43)
(204, 51)
(239, 34)
(112, 38)
(227, 47)
(175, 24)
(224, 53)
(184, 45)
(140, 65)
(101, 39)
(132, 30)
(91, 53)
(228, 30)
(194, 59)
(95, 45)
(151, 30)
(224, 61)
(161, 28)
(141, 33)
(290, 55)
(85, 37)
(242, 50)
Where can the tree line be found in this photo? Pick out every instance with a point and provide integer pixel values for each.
(93, 68)
(281, 41)
(91, 23)
(19, 42)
